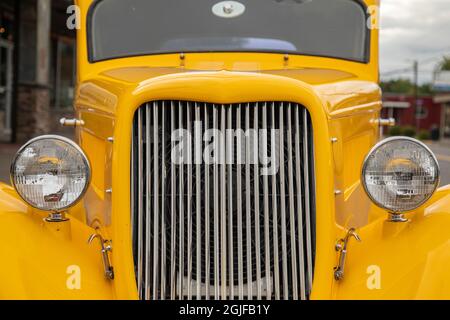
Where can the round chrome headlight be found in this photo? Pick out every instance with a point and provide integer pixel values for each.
(50, 173)
(400, 174)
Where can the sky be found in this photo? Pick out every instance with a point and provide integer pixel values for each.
(413, 29)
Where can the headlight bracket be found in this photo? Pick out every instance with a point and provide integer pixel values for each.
(57, 217)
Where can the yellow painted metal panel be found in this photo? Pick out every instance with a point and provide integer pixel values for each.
(343, 99)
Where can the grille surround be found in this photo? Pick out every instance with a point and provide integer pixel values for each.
(167, 205)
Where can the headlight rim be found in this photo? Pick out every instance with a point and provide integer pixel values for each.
(380, 144)
(63, 139)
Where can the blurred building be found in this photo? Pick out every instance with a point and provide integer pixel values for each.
(426, 116)
(427, 112)
(37, 67)
(441, 86)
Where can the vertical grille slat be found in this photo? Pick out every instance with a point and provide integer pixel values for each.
(230, 159)
(181, 180)
(248, 229)
(198, 208)
(223, 206)
(275, 210)
(173, 208)
(299, 205)
(283, 208)
(148, 204)
(227, 213)
(140, 196)
(306, 174)
(264, 145)
(189, 203)
(216, 211)
(256, 204)
(155, 199)
(291, 204)
(163, 206)
(239, 206)
(207, 216)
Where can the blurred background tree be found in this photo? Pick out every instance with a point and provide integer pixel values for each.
(405, 86)
(445, 64)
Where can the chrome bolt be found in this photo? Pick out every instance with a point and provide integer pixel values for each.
(228, 8)
(71, 122)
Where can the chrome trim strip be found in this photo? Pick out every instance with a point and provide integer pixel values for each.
(307, 199)
(163, 203)
(256, 197)
(299, 206)
(291, 204)
(239, 207)
(275, 211)
(173, 207)
(266, 207)
(248, 230)
(216, 213)
(148, 192)
(230, 153)
(140, 204)
(283, 208)
(181, 214)
(207, 217)
(198, 264)
(155, 200)
(189, 203)
(223, 205)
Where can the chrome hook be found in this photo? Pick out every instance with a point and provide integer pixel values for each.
(341, 247)
(106, 247)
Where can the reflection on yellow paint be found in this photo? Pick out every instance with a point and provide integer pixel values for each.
(52, 160)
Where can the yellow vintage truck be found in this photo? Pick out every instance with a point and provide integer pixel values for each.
(225, 150)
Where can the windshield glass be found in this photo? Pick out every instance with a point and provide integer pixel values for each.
(330, 28)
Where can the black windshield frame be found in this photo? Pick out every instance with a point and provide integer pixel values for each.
(365, 59)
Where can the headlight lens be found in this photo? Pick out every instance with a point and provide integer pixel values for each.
(50, 173)
(400, 174)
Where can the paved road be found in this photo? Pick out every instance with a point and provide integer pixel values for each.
(442, 152)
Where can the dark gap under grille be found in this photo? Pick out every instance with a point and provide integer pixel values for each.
(193, 221)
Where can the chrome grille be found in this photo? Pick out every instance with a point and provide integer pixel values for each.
(213, 231)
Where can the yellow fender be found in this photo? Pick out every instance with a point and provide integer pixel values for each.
(401, 260)
(44, 260)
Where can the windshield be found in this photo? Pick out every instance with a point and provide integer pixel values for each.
(330, 28)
